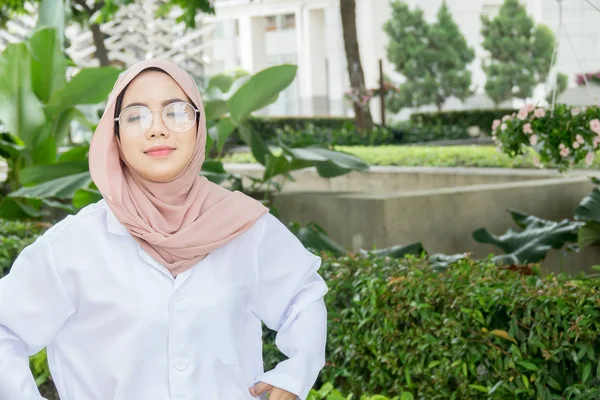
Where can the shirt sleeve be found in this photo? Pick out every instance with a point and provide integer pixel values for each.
(288, 298)
(33, 308)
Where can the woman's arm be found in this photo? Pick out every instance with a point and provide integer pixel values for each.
(33, 308)
(288, 298)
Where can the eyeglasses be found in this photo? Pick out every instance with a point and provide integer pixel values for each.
(136, 120)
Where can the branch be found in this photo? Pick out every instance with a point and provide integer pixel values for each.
(98, 6)
(83, 4)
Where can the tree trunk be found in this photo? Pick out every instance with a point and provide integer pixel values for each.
(101, 51)
(364, 120)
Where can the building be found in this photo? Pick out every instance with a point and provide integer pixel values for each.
(254, 34)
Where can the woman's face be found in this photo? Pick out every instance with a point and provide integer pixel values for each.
(160, 153)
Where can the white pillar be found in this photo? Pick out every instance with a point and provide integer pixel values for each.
(338, 81)
(253, 56)
(312, 69)
(231, 50)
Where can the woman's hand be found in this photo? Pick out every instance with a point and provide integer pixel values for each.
(274, 392)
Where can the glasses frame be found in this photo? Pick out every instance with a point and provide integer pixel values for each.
(118, 119)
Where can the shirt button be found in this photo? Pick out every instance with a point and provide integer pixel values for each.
(180, 365)
(178, 296)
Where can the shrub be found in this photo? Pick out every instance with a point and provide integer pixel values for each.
(471, 331)
(463, 118)
(566, 137)
(415, 133)
(14, 237)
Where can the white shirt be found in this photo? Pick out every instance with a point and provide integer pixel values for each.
(118, 326)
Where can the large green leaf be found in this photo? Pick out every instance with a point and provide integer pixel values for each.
(398, 251)
(48, 64)
(90, 86)
(78, 153)
(20, 209)
(11, 150)
(52, 14)
(221, 131)
(215, 109)
(589, 234)
(61, 188)
(532, 243)
(20, 110)
(314, 237)
(259, 148)
(43, 151)
(588, 211)
(86, 196)
(35, 175)
(329, 163)
(260, 90)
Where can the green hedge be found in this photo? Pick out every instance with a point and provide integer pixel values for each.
(472, 331)
(483, 118)
(267, 127)
(14, 237)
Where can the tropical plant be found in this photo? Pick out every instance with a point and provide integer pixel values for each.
(588, 212)
(37, 107)
(230, 102)
(563, 137)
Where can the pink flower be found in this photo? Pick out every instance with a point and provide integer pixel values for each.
(529, 107)
(565, 152)
(496, 124)
(539, 112)
(595, 126)
(527, 129)
(596, 141)
(536, 162)
(575, 111)
(575, 145)
(522, 114)
(589, 158)
(533, 140)
(506, 118)
(579, 139)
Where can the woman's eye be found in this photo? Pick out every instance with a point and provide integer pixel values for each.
(133, 119)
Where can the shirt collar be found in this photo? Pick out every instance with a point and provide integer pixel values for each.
(114, 225)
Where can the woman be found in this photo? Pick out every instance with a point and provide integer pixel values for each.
(158, 291)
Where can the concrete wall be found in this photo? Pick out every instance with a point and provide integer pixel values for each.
(442, 219)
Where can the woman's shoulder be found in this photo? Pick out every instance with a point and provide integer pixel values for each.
(88, 221)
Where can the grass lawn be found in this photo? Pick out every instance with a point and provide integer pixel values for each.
(426, 156)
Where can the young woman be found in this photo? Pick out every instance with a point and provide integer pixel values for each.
(158, 291)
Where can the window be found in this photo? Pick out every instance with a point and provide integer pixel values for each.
(271, 23)
(288, 21)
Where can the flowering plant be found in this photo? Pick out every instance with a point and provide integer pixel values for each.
(570, 135)
(591, 77)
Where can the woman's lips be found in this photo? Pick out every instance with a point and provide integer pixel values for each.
(159, 151)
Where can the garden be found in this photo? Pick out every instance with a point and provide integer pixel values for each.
(404, 322)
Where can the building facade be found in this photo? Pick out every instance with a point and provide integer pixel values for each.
(255, 34)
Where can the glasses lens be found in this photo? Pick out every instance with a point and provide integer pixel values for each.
(179, 117)
(135, 121)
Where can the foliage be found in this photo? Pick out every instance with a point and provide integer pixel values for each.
(533, 242)
(588, 212)
(230, 101)
(470, 331)
(482, 118)
(346, 136)
(426, 156)
(520, 53)
(432, 58)
(37, 107)
(14, 237)
(564, 137)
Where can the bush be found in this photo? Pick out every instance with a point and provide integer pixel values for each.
(416, 133)
(345, 136)
(463, 118)
(472, 331)
(14, 237)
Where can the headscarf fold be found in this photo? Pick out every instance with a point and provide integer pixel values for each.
(178, 222)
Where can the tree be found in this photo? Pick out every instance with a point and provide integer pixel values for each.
(432, 58)
(520, 53)
(364, 120)
(92, 13)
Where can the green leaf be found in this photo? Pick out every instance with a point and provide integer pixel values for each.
(78, 153)
(86, 196)
(13, 150)
(52, 14)
(528, 365)
(314, 236)
(406, 396)
(215, 109)
(259, 148)
(43, 150)
(589, 234)
(62, 188)
(20, 110)
(90, 86)
(221, 131)
(19, 209)
(588, 208)
(587, 371)
(532, 243)
(35, 175)
(398, 251)
(479, 388)
(329, 163)
(48, 64)
(260, 90)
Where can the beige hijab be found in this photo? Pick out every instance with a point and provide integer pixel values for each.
(178, 222)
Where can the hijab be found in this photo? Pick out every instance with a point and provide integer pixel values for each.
(178, 222)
